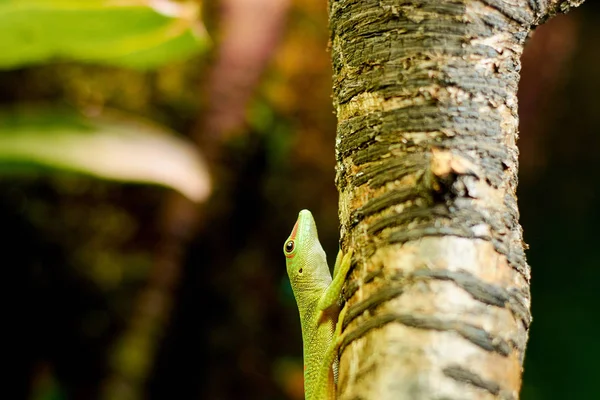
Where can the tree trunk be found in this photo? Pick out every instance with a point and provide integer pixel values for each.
(425, 93)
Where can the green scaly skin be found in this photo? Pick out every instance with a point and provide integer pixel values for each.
(318, 299)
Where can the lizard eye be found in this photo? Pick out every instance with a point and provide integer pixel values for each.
(289, 246)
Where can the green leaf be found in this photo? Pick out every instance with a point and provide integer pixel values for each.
(111, 146)
(139, 34)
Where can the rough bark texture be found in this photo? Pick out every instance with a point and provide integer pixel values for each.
(425, 93)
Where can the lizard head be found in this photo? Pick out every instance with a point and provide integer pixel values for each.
(304, 255)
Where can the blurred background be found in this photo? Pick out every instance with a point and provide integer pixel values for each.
(151, 167)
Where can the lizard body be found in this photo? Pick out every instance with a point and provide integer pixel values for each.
(318, 298)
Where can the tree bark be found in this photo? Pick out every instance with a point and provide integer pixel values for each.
(425, 94)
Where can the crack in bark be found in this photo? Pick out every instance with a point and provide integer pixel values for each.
(512, 299)
(378, 174)
(484, 292)
(474, 334)
(456, 121)
(352, 286)
(380, 203)
(377, 298)
(463, 375)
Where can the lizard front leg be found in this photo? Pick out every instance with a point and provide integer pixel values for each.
(331, 296)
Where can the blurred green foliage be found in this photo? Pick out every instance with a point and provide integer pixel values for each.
(141, 34)
(110, 146)
(129, 33)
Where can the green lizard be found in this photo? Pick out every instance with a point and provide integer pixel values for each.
(318, 299)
